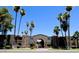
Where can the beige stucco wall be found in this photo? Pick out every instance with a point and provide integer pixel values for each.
(25, 41)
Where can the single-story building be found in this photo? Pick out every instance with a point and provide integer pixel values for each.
(39, 41)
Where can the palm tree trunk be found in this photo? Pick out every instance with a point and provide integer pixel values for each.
(66, 43)
(69, 33)
(30, 35)
(30, 42)
(5, 40)
(19, 25)
(3, 44)
(15, 30)
(61, 29)
(77, 43)
(57, 42)
(15, 25)
(2, 29)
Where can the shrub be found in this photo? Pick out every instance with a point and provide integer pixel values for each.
(8, 47)
(32, 45)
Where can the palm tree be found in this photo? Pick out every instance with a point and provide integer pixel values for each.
(60, 20)
(22, 12)
(5, 22)
(76, 36)
(68, 9)
(56, 31)
(16, 9)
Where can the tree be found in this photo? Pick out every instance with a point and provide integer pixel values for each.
(56, 31)
(16, 9)
(68, 9)
(76, 36)
(22, 12)
(5, 22)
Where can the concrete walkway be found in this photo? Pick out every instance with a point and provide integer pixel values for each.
(39, 50)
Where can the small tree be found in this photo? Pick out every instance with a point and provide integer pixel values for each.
(56, 31)
(76, 36)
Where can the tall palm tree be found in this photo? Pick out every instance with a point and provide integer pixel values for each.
(16, 9)
(68, 9)
(60, 20)
(56, 31)
(22, 12)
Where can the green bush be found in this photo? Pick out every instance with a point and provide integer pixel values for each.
(48, 45)
(32, 45)
(8, 47)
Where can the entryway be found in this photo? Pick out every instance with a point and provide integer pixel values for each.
(40, 43)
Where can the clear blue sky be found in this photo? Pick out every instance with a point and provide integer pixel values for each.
(45, 18)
